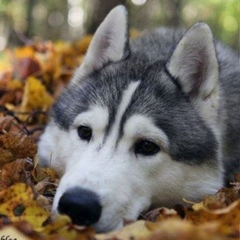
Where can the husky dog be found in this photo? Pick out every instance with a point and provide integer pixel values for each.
(143, 123)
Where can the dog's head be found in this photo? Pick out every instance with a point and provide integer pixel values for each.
(135, 129)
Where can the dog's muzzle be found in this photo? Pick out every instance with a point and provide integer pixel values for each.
(81, 205)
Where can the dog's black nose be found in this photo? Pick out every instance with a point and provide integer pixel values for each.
(82, 206)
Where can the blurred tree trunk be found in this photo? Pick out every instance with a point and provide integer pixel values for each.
(97, 11)
(5, 28)
(173, 12)
(30, 19)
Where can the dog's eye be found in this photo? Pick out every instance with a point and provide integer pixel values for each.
(146, 148)
(85, 133)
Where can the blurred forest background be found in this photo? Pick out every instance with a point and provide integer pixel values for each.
(24, 20)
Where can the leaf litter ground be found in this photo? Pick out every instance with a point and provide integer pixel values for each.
(31, 78)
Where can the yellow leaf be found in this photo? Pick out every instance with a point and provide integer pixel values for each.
(61, 226)
(16, 205)
(24, 52)
(15, 191)
(34, 215)
(19, 205)
(35, 97)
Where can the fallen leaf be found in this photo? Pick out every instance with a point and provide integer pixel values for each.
(62, 226)
(15, 172)
(14, 191)
(35, 96)
(15, 145)
(174, 229)
(19, 205)
(228, 218)
(39, 173)
(160, 214)
(26, 66)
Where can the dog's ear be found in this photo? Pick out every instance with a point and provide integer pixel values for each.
(194, 64)
(109, 43)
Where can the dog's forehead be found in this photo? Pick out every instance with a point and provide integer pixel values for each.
(106, 88)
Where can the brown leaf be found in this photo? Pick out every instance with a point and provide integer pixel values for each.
(26, 66)
(24, 62)
(6, 123)
(14, 172)
(14, 145)
(39, 173)
(160, 214)
(44, 202)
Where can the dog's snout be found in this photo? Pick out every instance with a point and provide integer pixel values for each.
(82, 206)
